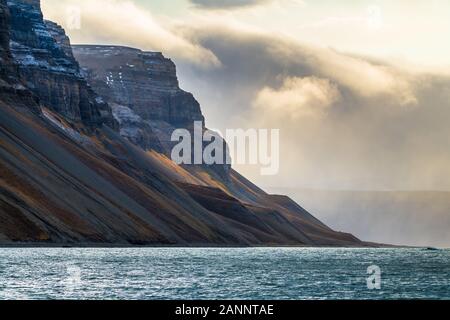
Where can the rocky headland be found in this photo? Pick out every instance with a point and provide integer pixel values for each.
(84, 144)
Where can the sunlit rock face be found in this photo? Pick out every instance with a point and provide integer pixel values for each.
(143, 91)
(47, 67)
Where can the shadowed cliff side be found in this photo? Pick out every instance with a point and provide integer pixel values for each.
(10, 84)
(5, 54)
(49, 70)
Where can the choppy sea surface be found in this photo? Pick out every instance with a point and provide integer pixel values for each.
(253, 273)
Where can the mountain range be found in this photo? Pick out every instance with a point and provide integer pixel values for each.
(85, 153)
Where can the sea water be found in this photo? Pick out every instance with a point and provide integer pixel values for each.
(215, 273)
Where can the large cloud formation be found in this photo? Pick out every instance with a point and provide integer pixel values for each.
(298, 97)
(370, 125)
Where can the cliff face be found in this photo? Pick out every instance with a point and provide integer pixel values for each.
(4, 38)
(144, 81)
(48, 68)
(143, 91)
(7, 67)
(63, 184)
(11, 86)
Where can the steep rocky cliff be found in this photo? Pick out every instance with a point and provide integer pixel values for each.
(5, 55)
(8, 70)
(65, 185)
(11, 86)
(144, 81)
(49, 70)
(143, 91)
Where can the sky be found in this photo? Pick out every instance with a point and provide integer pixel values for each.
(405, 30)
(360, 90)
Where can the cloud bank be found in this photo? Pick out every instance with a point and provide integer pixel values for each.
(298, 98)
(347, 122)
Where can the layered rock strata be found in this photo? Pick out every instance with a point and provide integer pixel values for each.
(47, 67)
(144, 93)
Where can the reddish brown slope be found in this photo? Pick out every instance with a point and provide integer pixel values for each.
(54, 190)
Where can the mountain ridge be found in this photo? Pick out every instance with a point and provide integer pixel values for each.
(70, 176)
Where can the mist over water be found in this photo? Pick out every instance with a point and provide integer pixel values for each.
(414, 218)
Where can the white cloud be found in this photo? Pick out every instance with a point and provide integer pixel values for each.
(362, 76)
(297, 98)
(366, 78)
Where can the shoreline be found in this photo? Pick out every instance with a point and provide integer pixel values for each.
(197, 246)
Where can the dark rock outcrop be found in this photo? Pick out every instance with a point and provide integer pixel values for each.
(11, 86)
(8, 71)
(47, 67)
(5, 55)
